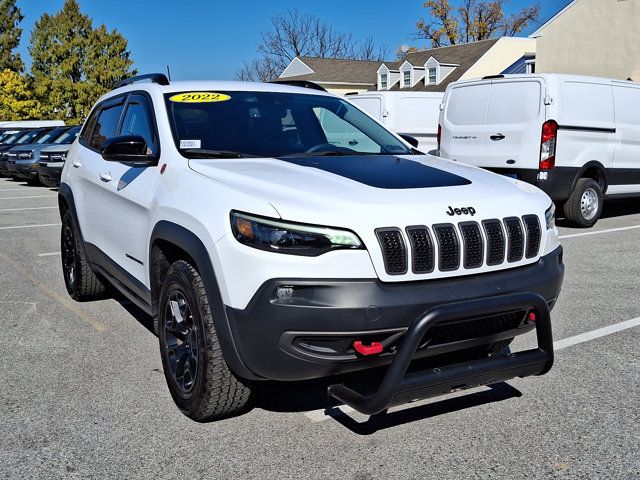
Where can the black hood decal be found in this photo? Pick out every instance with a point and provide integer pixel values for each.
(382, 171)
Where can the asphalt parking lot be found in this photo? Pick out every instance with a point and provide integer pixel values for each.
(83, 394)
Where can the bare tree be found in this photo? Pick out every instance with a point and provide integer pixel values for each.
(471, 21)
(294, 34)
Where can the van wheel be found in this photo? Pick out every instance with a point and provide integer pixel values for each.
(199, 380)
(79, 278)
(584, 206)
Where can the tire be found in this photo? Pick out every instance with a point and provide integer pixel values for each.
(584, 207)
(199, 380)
(79, 278)
(33, 182)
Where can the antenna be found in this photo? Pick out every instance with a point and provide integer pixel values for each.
(168, 73)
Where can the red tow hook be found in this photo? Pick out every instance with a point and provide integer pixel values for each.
(532, 316)
(374, 349)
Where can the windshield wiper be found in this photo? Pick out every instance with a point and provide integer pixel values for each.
(204, 153)
(330, 153)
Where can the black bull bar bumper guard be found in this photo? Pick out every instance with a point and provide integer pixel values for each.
(400, 387)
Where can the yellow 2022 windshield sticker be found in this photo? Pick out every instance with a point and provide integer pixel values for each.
(199, 97)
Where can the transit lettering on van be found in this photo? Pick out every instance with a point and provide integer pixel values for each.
(575, 137)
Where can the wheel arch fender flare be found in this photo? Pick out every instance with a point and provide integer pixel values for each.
(587, 166)
(190, 243)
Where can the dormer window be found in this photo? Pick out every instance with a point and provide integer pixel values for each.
(432, 76)
(406, 78)
(384, 81)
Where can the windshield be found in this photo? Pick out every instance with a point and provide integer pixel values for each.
(11, 138)
(68, 137)
(273, 124)
(31, 136)
(51, 135)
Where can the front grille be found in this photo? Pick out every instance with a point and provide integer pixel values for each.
(394, 250)
(449, 247)
(422, 259)
(495, 242)
(468, 329)
(466, 245)
(473, 245)
(534, 234)
(515, 235)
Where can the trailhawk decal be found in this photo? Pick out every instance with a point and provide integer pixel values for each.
(382, 171)
(199, 97)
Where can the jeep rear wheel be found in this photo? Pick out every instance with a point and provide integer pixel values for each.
(199, 380)
(79, 278)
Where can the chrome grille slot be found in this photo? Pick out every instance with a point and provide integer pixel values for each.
(394, 251)
(448, 247)
(422, 254)
(534, 235)
(473, 245)
(515, 237)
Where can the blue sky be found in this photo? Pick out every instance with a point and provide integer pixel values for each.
(208, 39)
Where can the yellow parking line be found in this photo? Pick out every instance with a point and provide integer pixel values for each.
(61, 299)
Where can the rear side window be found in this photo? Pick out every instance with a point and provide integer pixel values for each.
(514, 102)
(137, 121)
(107, 125)
(467, 105)
(588, 103)
(87, 130)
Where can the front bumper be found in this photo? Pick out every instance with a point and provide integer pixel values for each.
(309, 333)
(50, 173)
(23, 170)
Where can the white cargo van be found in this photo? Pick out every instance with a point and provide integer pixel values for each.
(575, 137)
(406, 113)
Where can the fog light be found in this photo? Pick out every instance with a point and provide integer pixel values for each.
(285, 293)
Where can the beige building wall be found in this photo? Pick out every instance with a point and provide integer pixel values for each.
(503, 54)
(593, 37)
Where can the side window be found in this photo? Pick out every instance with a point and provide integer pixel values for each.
(137, 121)
(341, 133)
(87, 130)
(107, 125)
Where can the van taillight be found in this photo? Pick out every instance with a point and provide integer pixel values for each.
(548, 145)
(439, 136)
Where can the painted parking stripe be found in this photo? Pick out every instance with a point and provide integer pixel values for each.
(323, 414)
(50, 254)
(16, 227)
(14, 190)
(27, 208)
(29, 196)
(574, 235)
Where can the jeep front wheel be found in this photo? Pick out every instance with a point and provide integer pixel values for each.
(199, 380)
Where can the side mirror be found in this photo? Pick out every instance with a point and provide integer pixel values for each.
(126, 148)
(413, 141)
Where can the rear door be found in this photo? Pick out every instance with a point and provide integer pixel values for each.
(625, 177)
(515, 115)
(464, 121)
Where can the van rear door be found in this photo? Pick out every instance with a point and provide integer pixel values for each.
(515, 115)
(464, 121)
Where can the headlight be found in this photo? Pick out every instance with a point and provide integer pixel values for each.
(550, 216)
(290, 238)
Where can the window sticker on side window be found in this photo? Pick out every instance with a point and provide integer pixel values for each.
(190, 143)
(199, 97)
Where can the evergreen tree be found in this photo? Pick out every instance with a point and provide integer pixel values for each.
(73, 63)
(16, 98)
(10, 32)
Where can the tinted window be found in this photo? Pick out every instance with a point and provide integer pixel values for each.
(67, 137)
(273, 124)
(137, 121)
(107, 125)
(89, 125)
(50, 136)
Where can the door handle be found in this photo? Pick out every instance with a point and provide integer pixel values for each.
(353, 142)
(497, 137)
(76, 164)
(105, 176)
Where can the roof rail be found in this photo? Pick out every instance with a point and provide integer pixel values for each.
(159, 78)
(489, 77)
(300, 83)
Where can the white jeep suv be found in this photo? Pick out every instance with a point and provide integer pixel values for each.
(277, 232)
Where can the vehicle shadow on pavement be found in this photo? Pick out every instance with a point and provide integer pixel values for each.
(304, 396)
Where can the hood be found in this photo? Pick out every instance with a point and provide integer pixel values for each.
(56, 147)
(406, 190)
